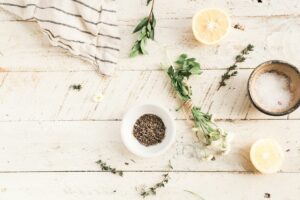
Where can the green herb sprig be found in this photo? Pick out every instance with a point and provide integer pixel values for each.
(108, 168)
(180, 74)
(152, 190)
(206, 130)
(231, 71)
(146, 29)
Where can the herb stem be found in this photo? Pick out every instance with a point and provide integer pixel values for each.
(232, 70)
(146, 30)
(165, 179)
(206, 130)
(151, 10)
(108, 168)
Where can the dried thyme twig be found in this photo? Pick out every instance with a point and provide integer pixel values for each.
(146, 31)
(108, 168)
(152, 190)
(76, 87)
(231, 71)
(206, 130)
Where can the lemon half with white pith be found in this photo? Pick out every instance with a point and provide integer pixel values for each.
(210, 25)
(266, 155)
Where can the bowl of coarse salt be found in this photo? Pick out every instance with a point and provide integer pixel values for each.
(274, 88)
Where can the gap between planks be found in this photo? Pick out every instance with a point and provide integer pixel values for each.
(120, 70)
(176, 119)
(143, 171)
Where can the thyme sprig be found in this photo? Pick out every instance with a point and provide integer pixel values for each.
(231, 71)
(206, 130)
(108, 168)
(152, 190)
(146, 29)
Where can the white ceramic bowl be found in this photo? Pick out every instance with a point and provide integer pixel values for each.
(132, 143)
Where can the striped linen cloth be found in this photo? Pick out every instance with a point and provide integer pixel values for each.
(87, 29)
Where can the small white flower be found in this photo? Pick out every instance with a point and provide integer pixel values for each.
(229, 137)
(212, 118)
(221, 131)
(195, 129)
(207, 155)
(98, 97)
(216, 143)
(226, 150)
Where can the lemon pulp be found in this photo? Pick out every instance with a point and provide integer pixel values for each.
(266, 155)
(210, 25)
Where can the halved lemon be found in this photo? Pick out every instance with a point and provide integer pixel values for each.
(210, 25)
(266, 156)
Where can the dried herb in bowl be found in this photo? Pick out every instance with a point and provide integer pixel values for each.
(149, 130)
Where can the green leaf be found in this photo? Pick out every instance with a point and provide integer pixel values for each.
(142, 46)
(149, 27)
(196, 69)
(153, 21)
(148, 2)
(134, 53)
(151, 35)
(182, 57)
(142, 24)
(142, 34)
(135, 50)
(215, 135)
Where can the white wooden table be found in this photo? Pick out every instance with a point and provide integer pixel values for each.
(51, 135)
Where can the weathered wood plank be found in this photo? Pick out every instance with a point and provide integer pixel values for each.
(76, 146)
(186, 8)
(273, 38)
(24, 48)
(48, 96)
(91, 186)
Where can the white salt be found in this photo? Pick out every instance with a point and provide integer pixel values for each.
(272, 91)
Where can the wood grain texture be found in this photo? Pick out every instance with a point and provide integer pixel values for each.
(90, 186)
(76, 146)
(186, 8)
(51, 135)
(48, 95)
(273, 38)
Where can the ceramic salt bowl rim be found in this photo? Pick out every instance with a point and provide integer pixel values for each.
(256, 105)
(165, 148)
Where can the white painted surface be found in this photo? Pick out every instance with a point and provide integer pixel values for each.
(51, 136)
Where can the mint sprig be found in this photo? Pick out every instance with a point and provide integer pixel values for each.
(204, 126)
